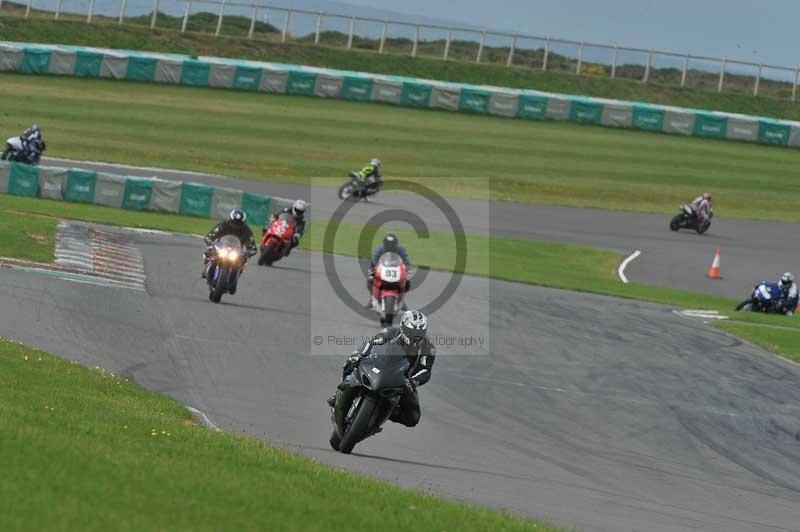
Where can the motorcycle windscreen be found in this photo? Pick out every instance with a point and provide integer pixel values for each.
(386, 367)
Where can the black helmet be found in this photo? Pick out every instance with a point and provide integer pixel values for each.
(413, 327)
(390, 242)
(237, 216)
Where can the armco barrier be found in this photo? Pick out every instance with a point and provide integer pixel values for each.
(134, 193)
(325, 83)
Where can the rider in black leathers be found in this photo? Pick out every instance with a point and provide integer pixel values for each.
(411, 336)
(235, 225)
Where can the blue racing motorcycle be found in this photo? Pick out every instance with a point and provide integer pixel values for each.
(766, 297)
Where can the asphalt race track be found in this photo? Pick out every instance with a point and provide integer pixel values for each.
(751, 251)
(607, 417)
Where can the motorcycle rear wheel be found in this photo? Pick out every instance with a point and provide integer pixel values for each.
(357, 430)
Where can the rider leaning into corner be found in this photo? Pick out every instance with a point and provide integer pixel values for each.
(370, 176)
(235, 225)
(701, 207)
(790, 297)
(298, 211)
(31, 143)
(390, 244)
(411, 336)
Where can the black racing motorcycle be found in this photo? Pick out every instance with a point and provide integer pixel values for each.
(688, 219)
(356, 190)
(370, 395)
(228, 262)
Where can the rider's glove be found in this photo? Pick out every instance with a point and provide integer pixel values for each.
(380, 340)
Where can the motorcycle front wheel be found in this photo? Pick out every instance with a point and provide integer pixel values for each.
(219, 288)
(346, 191)
(357, 430)
(745, 306)
(675, 223)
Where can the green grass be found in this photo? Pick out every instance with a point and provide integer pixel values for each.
(493, 71)
(288, 138)
(91, 451)
(27, 237)
(782, 340)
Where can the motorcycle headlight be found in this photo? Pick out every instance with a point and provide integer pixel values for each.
(223, 253)
(233, 255)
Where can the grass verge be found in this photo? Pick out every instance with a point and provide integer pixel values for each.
(289, 138)
(784, 341)
(27, 237)
(92, 451)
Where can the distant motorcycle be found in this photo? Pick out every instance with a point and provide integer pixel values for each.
(766, 297)
(689, 219)
(356, 190)
(390, 277)
(227, 264)
(277, 239)
(16, 152)
(370, 395)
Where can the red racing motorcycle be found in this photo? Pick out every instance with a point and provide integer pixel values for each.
(389, 283)
(277, 239)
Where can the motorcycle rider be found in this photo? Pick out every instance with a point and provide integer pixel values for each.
(701, 207)
(790, 297)
(235, 225)
(370, 177)
(411, 336)
(298, 211)
(390, 244)
(31, 144)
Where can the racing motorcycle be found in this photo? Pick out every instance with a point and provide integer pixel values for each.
(277, 239)
(688, 219)
(369, 396)
(228, 262)
(389, 280)
(356, 190)
(766, 297)
(16, 152)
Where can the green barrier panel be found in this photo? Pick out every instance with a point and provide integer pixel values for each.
(532, 107)
(87, 64)
(141, 68)
(585, 112)
(474, 100)
(23, 180)
(709, 125)
(257, 208)
(247, 78)
(36, 61)
(196, 199)
(773, 133)
(301, 83)
(195, 73)
(416, 94)
(357, 88)
(648, 118)
(138, 193)
(80, 186)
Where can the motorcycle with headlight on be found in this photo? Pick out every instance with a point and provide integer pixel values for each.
(227, 263)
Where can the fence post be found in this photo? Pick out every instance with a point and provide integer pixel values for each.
(383, 36)
(219, 18)
(794, 85)
(90, 13)
(447, 44)
(352, 30)
(416, 43)
(758, 80)
(580, 59)
(155, 14)
(721, 75)
(319, 25)
(252, 23)
(614, 61)
(648, 66)
(480, 47)
(28, 9)
(186, 16)
(510, 59)
(58, 9)
(122, 10)
(286, 25)
(685, 70)
(546, 53)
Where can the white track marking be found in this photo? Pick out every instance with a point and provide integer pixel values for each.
(204, 419)
(621, 269)
(140, 168)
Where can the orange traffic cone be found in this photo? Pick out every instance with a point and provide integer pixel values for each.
(714, 271)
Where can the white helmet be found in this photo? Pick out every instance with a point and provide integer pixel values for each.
(787, 279)
(299, 208)
(375, 162)
(413, 327)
